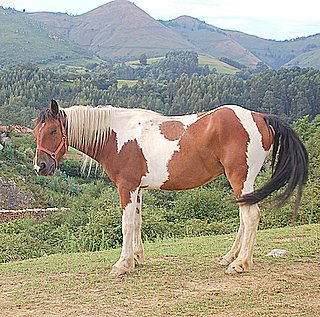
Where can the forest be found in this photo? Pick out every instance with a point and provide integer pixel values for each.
(173, 85)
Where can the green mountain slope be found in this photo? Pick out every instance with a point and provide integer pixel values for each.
(245, 48)
(308, 59)
(119, 29)
(278, 53)
(25, 40)
(211, 40)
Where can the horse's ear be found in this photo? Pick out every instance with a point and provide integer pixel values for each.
(54, 108)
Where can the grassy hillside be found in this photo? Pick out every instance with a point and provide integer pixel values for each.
(308, 59)
(277, 53)
(25, 40)
(219, 66)
(121, 30)
(211, 40)
(212, 62)
(179, 278)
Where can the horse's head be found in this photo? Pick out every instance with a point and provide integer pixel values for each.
(51, 137)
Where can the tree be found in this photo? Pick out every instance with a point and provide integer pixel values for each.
(143, 59)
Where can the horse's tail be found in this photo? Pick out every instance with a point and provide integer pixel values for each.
(289, 165)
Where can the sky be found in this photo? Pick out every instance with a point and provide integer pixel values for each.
(270, 19)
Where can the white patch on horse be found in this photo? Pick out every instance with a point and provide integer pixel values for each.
(42, 125)
(256, 154)
(36, 167)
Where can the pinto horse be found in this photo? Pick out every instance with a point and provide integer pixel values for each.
(140, 149)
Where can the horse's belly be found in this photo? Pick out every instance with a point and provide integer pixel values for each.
(187, 177)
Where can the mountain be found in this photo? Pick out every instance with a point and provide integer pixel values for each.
(244, 48)
(117, 28)
(211, 40)
(25, 40)
(277, 53)
(308, 59)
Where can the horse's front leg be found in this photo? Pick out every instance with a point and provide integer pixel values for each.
(128, 201)
(138, 249)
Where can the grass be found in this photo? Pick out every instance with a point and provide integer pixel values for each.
(127, 82)
(179, 278)
(212, 62)
(25, 40)
(221, 67)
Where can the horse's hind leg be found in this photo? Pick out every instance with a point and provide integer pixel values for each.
(250, 216)
(138, 249)
(241, 178)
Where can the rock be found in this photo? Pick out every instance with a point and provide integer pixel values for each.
(278, 252)
(12, 197)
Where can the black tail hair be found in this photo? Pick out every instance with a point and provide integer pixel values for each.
(291, 168)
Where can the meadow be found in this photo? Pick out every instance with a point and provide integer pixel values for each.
(179, 278)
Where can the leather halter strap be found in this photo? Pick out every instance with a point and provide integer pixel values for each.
(63, 143)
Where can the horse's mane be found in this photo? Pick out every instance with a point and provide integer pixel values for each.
(87, 126)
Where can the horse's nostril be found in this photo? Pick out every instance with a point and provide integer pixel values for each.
(42, 166)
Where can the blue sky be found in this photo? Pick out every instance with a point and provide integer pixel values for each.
(272, 19)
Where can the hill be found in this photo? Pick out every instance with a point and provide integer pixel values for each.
(117, 28)
(308, 59)
(211, 40)
(121, 30)
(244, 48)
(278, 53)
(179, 278)
(25, 40)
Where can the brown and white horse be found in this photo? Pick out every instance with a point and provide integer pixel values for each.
(141, 149)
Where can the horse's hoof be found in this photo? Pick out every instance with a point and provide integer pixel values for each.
(116, 271)
(224, 262)
(239, 266)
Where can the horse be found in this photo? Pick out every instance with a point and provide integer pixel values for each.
(141, 149)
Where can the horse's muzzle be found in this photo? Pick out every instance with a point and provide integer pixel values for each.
(45, 169)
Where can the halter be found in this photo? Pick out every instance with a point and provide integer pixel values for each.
(63, 143)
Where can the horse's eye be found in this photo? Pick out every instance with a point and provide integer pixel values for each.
(53, 132)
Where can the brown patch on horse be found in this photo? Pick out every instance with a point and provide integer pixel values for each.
(197, 162)
(265, 131)
(172, 130)
(126, 168)
(209, 147)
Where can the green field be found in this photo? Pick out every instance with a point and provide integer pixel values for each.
(221, 67)
(212, 62)
(179, 278)
(127, 82)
